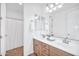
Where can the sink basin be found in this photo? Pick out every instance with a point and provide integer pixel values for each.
(51, 39)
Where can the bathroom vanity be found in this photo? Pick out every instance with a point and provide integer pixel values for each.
(64, 25)
(43, 49)
(55, 47)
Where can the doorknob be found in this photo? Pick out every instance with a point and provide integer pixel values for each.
(0, 36)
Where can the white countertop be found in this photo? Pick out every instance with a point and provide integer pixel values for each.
(72, 47)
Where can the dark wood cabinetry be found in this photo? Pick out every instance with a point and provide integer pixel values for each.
(43, 49)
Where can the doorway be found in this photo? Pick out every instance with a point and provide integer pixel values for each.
(14, 29)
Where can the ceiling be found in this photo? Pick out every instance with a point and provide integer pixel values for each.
(19, 8)
(14, 7)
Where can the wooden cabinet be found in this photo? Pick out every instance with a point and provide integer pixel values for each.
(57, 52)
(40, 49)
(43, 49)
(37, 47)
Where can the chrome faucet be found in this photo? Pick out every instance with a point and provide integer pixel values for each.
(67, 39)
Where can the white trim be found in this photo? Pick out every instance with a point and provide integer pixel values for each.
(3, 39)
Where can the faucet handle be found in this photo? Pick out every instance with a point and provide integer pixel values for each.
(66, 37)
(52, 34)
(68, 34)
(66, 40)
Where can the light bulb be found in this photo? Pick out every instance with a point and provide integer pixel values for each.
(20, 3)
(50, 10)
(51, 5)
(36, 16)
(56, 3)
(59, 6)
(54, 8)
(47, 8)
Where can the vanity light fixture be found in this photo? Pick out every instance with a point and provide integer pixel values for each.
(36, 16)
(20, 3)
(53, 6)
(50, 10)
(59, 6)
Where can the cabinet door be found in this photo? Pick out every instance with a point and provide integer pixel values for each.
(57, 52)
(40, 48)
(37, 47)
(53, 52)
(44, 49)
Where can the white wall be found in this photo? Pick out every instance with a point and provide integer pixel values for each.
(15, 14)
(29, 11)
(14, 10)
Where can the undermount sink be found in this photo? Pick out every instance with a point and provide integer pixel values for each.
(51, 38)
(48, 37)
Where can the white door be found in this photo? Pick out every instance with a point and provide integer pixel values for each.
(14, 33)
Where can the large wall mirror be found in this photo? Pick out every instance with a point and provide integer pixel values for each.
(64, 22)
(73, 24)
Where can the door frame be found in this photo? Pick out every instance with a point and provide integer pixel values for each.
(3, 37)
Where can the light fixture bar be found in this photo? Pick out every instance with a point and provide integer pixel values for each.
(52, 7)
